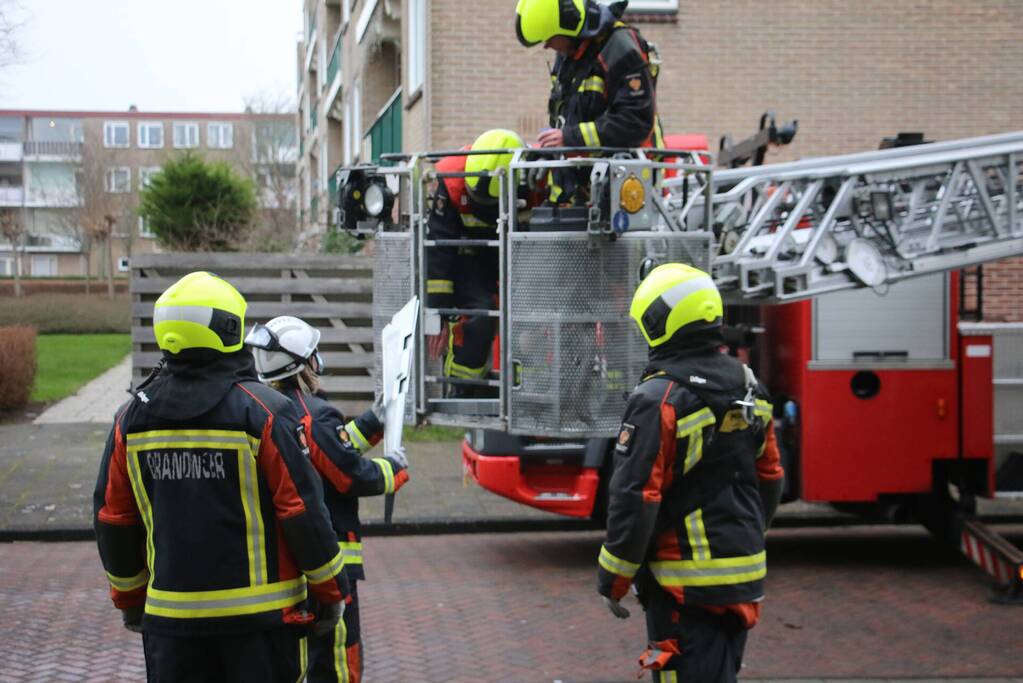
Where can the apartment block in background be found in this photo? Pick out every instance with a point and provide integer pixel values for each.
(64, 171)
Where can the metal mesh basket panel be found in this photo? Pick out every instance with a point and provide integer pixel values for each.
(392, 288)
(576, 353)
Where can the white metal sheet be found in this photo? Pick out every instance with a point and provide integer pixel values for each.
(398, 341)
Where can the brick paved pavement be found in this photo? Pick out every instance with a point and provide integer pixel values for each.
(868, 602)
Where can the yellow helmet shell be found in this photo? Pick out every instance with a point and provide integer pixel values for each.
(539, 20)
(482, 187)
(199, 311)
(672, 297)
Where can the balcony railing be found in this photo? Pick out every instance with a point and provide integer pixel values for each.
(37, 148)
(385, 134)
(334, 67)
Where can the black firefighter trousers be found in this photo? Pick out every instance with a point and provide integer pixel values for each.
(275, 656)
(688, 643)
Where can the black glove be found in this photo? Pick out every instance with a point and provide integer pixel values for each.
(132, 618)
(327, 617)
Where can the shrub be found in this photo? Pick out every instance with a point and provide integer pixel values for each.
(17, 366)
(68, 313)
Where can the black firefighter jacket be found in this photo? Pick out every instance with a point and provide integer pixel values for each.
(207, 509)
(336, 450)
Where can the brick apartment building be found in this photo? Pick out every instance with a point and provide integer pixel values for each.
(384, 75)
(59, 167)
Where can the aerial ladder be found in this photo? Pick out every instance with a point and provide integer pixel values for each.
(810, 245)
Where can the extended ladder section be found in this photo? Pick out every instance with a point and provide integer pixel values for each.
(795, 230)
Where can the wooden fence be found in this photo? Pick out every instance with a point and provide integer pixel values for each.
(332, 293)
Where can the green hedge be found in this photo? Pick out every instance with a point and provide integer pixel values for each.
(68, 313)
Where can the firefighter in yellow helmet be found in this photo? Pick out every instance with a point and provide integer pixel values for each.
(603, 83)
(697, 479)
(465, 277)
(208, 514)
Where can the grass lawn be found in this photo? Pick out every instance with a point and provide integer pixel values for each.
(433, 433)
(68, 361)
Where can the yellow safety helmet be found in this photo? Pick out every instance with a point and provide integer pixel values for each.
(199, 311)
(539, 20)
(674, 297)
(484, 189)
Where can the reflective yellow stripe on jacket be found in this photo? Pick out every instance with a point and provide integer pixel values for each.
(692, 426)
(360, 442)
(328, 570)
(231, 602)
(592, 84)
(129, 584)
(388, 473)
(352, 551)
(588, 129)
(722, 571)
(616, 565)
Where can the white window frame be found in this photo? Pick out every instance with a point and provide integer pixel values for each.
(123, 264)
(347, 153)
(220, 126)
(416, 67)
(144, 230)
(108, 182)
(145, 172)
(108, 134)
(191, 129)
(145, 130)
(653, 6)
(7, 267)
(357, 119)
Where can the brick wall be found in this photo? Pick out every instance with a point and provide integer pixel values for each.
(851, 72)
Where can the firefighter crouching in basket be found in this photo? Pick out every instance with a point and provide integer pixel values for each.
(603, 84)
(697, 479)
(466, 277)
(208, 514)
(288, 358)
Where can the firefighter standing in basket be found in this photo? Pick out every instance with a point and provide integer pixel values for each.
(208, 515)
(697, 479)
(603, 84)
(466, 207)
(287, 357)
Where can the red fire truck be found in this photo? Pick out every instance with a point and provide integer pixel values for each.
(856, 273)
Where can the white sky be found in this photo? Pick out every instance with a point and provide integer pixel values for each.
(161, 55)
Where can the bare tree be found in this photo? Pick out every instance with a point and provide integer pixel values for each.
(12, 19)
(273, 164)
(12, 229)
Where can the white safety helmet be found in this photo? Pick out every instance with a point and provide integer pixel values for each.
(283, 346)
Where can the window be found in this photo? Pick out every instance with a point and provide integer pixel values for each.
(417, 45)
(144, 229)
(653, 6)
(220, 135)
(150, 135)
(6, 267)
(186, 135)
(44, 265)
(118, 179)
(123, 264)
(116, 134)
(145, 173)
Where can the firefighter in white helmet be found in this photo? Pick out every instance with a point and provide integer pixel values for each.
(697, 478)
(288, 359)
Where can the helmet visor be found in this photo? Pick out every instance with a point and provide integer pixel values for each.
(262, 337)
